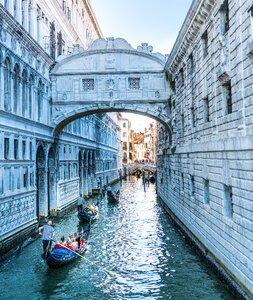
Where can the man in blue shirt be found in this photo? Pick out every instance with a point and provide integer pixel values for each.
(47, 232)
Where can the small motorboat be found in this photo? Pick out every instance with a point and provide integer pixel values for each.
(63, 255)
(89, 213)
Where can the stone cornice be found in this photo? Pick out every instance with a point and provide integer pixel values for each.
(21, 33)
(196, 17)
(93, 17)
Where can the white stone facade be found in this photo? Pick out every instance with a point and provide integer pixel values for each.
(205, 174)
(41, 174)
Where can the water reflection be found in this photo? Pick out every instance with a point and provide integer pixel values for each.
(135, 252)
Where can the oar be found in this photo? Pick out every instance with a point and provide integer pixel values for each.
(92, 263)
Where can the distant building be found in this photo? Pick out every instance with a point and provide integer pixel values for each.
(150, 142)
(139, 147)
(126, 141)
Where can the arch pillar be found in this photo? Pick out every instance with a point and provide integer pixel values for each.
(85, 175)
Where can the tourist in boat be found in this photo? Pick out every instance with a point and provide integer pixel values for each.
(109, 190)
(47, 232)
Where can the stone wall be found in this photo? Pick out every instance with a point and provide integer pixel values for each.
(205, 175)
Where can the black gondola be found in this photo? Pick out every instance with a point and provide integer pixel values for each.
(88, 215)
(113, 197)
(62, 255)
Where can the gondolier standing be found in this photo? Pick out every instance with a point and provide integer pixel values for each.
(47, 236)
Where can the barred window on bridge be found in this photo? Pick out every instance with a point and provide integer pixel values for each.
(88, 84)
(134, 83)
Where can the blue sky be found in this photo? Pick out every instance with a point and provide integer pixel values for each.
(156, 22)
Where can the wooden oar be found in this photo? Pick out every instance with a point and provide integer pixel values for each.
(92, 263)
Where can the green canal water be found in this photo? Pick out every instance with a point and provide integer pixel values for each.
(135, 252)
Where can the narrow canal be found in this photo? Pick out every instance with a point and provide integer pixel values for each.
(136, 253)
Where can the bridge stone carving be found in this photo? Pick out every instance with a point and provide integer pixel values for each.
(109, 76)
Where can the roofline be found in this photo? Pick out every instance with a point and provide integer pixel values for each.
(195, 17)
(93, 18)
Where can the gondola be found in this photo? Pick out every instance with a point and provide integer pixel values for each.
(113, 197)
(88, 215)
(62, 255)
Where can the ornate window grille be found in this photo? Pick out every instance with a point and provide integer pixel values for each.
(134, 83)
(88, 84)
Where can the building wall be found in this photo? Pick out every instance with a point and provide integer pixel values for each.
(205, 175)
(40, 174)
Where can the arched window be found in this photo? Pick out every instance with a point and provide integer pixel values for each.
(7, 84)
(40, 99)
(24, 94)
(30, 96)
(16, 89)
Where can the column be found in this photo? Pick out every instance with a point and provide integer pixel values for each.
(25, 7)
(20, 148)
(1, 145)
(31, 19)
(19, 11)
(1, 85)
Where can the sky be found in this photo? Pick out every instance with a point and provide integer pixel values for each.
(156, 22)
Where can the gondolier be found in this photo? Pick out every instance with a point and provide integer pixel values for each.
(47, 232)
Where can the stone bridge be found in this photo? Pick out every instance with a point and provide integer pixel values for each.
(110, 76)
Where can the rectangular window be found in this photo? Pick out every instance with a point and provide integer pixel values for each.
(25, 178)
(6, 148)
(224, 17)
(124, 125)
(206, 109)
(182, 124)
(31, 150)
(206, 191)
(88, 84)
(124, 134)
(228, 201)
(15, 148)
(181, 72)
(182, 182)
(205, 44)
(193, 116)
(134, 83)
(23, 149)
(227, 95)
(64, 5)
(191, 64)
(192, 186)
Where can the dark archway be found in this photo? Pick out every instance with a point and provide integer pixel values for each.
(40, 183)
(52, 183)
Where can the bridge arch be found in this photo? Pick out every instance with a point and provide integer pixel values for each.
(110, 76)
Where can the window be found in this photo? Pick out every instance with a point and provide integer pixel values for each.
(124, 134)
(191, 64)
(6, 148)
(88, 84)
(181, 72)
(205, 44)
(25, 178)
(193, 116)
(124, 125)
(224, 17)
(64, 5)
(227, 95)
(31, 150)
(228, 201)
(15, 149)
(182, 124)
(23, 149)
(206, 191)
(192, 190)
(134, 83)
(182, 182)
(206, 109)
